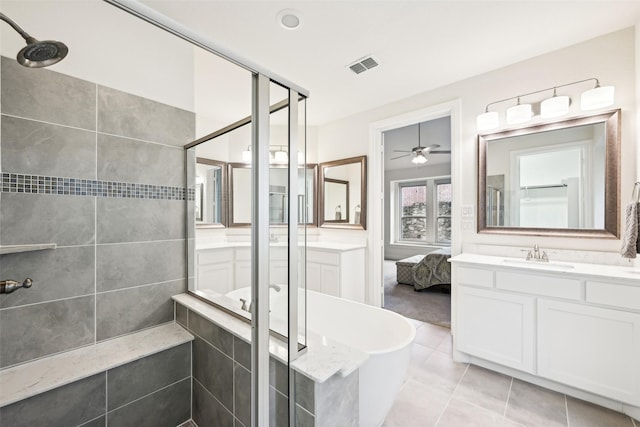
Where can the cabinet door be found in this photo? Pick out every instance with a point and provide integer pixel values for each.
(215, 277)
(591, 348)
(313, 277)
(496, 326)
(330, 280)
(243, 274)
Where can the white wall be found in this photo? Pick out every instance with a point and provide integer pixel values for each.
(610, 58)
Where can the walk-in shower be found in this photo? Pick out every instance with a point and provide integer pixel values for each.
(37, 54)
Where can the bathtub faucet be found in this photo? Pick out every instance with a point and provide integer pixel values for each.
(275, 287)
(245, 306)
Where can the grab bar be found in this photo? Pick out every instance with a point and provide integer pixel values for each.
(8, 286)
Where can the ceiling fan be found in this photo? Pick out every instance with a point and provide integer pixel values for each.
(420, 153)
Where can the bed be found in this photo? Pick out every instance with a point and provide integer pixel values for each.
(425, 271)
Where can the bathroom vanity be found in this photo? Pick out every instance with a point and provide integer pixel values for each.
(558, 323)
(333, 268)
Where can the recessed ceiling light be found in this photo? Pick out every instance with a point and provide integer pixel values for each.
(289, 19)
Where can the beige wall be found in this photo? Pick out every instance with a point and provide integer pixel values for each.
(610, 58)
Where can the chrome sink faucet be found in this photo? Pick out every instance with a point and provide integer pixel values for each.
(536, 255)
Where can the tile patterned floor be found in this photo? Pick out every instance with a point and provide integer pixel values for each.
(440, 392)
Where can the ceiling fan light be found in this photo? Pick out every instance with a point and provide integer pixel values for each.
(519, 114)
(488, 120)
(598, 97)
(419, 159)
(555, 106)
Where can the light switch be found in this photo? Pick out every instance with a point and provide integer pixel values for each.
(467, 211)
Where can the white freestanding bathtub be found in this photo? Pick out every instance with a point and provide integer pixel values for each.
(384, 335)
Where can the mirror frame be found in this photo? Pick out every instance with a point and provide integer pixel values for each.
(225, 196)
(238, 165)
(362, 160)
(612, 121)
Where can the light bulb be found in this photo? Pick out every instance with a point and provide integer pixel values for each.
(519, 114)
(599, 97)
(555, 106)
(419, 159)
(487, 120)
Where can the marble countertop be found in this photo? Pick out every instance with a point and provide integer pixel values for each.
(323, 358)
(596, 271)
(326, 246)
(32, 378)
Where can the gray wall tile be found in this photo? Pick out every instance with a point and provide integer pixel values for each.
(38, 330)
(69, 405)
(305, 392)
(278, 376)
(122, 159)
(207, 411)
(129, 382)
(120, 113)
(242, 352)
(181, 314)
(56, 274)
(46, 95)
(304, 418)
(133, 264)
(168, 407)
(215, 335)
(242, 394)
(214, 371)
(129, 310)
(98, 422)
(32, 218)
(37, 148)
(138, 220)
(279, 409)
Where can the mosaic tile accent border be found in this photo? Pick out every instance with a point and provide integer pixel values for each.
(40, 184)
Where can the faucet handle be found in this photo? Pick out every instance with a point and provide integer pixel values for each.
(545, 257)
(529, 255)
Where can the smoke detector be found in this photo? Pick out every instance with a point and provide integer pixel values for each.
(363, 64)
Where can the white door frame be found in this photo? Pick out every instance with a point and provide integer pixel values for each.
(376, 186)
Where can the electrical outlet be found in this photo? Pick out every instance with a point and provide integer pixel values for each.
(467, 225)
(467, 211)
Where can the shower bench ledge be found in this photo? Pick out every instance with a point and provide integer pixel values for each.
(32, 378)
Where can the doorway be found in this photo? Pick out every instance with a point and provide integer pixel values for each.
(381, 233)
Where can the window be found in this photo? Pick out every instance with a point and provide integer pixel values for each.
(423, 211)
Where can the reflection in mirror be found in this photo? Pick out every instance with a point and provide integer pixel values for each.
(211, 192)
(343, 193)
(336, 199)
(558, 178)
(240, 194)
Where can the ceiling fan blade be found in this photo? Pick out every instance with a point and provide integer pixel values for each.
(402, 151)
(440, 152)
(431, 147)
(399, 157)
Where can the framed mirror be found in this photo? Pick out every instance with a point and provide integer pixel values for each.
(556, 179)
(342, 193)
(240, 194)
(211, 193)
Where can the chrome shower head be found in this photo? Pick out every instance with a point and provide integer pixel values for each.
(37, 54)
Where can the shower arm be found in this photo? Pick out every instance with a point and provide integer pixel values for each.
(16, 27)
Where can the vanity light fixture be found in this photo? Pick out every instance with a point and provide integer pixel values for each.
(246, 155)
(519, 113)
(556, 106)
(280, 156)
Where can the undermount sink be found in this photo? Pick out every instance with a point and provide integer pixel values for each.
(539, 264)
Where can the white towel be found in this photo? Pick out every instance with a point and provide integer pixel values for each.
(630, 235)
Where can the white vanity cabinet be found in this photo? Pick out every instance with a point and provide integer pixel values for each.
(215, 270)
(577, 325)
(591, 348)
(336, 272)
(496, 326)
(336, 269)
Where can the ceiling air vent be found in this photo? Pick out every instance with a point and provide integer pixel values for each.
(363, 65)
